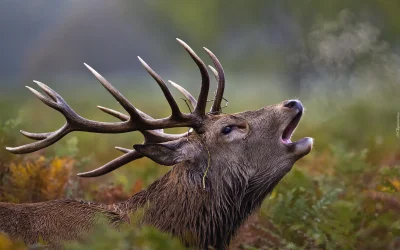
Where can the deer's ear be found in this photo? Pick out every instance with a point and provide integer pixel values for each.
(167, 154)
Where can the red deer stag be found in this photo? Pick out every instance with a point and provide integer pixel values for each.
(224, 166)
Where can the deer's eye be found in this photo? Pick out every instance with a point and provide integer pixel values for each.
(226, 130)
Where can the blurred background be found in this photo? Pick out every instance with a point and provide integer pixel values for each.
(340, 58)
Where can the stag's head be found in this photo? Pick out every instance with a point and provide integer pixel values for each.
(254, 146)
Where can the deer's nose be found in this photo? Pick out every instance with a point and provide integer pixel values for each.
(294, 104)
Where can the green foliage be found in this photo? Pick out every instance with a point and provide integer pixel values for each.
(126, 238)
(348, 206)
(70, 148)
(6, 128)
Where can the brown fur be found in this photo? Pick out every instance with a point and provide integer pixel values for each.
(243, 168)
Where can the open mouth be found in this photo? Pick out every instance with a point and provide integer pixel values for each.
(288, 132)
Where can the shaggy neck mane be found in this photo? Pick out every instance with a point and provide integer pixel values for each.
(178, 204)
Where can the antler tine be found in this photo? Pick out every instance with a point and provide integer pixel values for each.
(114, 113)
(116, 94)
(220, 76)
(200, 109)
(44, 99)
(121, 116)
(124, 117)
(154, 136)
(112, 165)
(215, 72)
(34, 146)
(185, 93)
(48, 90)
(35, 136)
(123, 150)
(172, 103)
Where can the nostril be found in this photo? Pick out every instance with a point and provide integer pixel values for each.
(294, 104)
(290, 104)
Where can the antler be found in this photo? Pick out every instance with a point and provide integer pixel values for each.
(220, 77)
(136, 120)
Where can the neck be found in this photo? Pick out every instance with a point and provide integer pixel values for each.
(178, 204)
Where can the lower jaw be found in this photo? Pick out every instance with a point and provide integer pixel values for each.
(303, 146)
